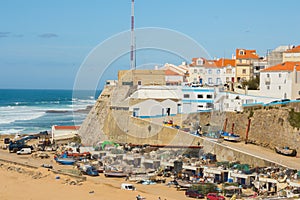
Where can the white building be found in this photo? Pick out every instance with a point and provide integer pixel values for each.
(281, 81)
(212, 72)
(196, 99)
(63, 132)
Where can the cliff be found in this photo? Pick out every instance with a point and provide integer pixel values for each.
(111, 119)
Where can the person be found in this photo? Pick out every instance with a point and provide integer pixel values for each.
(159, 198)
(138, 197)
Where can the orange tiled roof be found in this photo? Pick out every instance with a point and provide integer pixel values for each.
(66, 127)
(224, 62)
(286, 66)
(169, 72)
(248, 54)
(294, 50)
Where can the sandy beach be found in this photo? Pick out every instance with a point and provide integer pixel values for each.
(29, 186)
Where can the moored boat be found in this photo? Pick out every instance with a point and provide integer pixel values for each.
(117, 174)
(231, 137)
(286, 151)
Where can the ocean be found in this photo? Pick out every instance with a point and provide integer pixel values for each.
(33, 111)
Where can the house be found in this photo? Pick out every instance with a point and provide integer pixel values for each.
(227, 70)
(275, 56)
(155, 101)
(63, 132)
(244, 64)
(292, 55)
(173, 77)
(141, 77)
(197, 71)
(281, 81)
(212, 72)
(197, 99)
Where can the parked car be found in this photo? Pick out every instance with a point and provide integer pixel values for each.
(214, 196)
(194, 194)
(127, 186)
(24, 151)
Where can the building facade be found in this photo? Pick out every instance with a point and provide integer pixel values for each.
(292, 55)
(281, 81)
(244, 64)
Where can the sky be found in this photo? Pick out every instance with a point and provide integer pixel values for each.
(44, 44)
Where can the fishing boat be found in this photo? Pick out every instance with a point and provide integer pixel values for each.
(230, 137)
(116, 174)
(286, 151)
(65, 161)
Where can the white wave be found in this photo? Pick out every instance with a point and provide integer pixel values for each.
(12, 114)
(11, 131)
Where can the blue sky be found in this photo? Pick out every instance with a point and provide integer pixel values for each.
(44, 43)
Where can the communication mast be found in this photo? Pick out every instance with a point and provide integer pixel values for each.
(132, 48)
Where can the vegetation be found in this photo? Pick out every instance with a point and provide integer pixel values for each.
(205, 188)
(251, 114)
(253, 83)
(294, 118)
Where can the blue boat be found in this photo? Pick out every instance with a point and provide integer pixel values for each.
(64, 160)
(231, 137)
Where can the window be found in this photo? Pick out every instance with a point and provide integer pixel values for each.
(218, 71)
(209, 80)
(241, 52)
(139, 82)
(268, 75)
(186, 96)
(199, 62)
(228, 71)
(268, 87)
(200, 106)
(279, 75)
(209, 96)
(209, 71)
(195, 70)
(201, 71)
(218, 81)
(279, 87)
(288, 55)
(200, 96)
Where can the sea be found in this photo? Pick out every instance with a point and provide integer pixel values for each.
(25, 111)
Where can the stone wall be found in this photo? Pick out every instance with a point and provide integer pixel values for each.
(269, 125)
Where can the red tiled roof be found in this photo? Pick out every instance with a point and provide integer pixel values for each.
(66, 127)
(286, 66)
(294, 50)
(248, 54)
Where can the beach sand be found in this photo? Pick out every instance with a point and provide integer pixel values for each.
(15, 185)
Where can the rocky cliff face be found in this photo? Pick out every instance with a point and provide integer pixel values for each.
(109, 119)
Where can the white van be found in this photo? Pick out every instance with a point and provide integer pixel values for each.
(127, 186)
(24, 151)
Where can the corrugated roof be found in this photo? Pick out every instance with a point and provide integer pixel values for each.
(286, 66)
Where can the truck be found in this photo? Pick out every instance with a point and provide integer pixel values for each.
(19, 144)
(13, 147)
